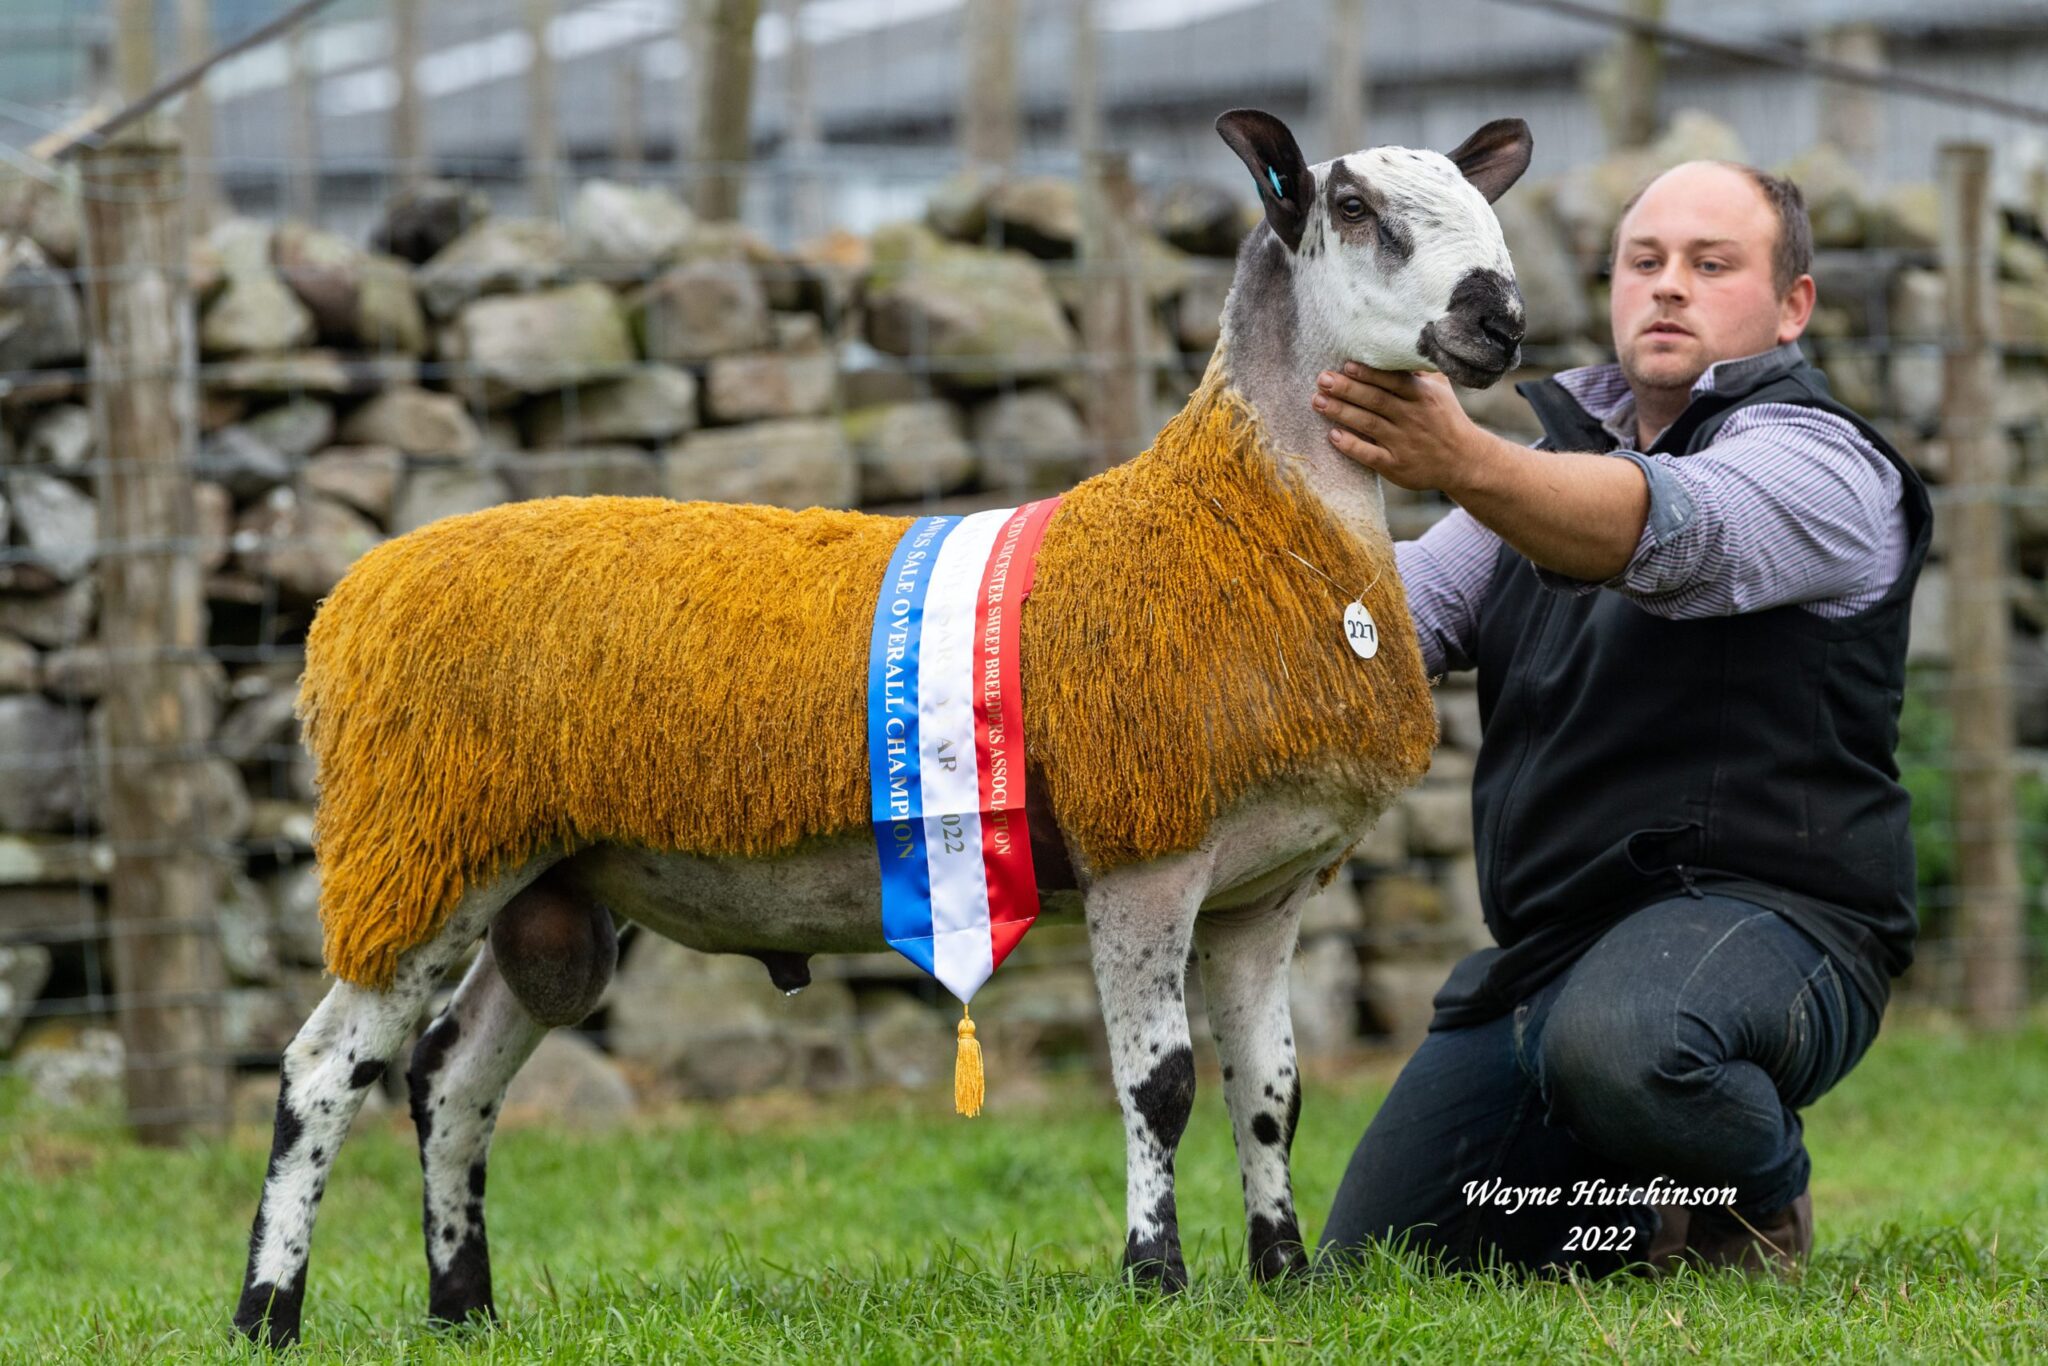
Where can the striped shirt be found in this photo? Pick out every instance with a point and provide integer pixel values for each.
(1788, 504)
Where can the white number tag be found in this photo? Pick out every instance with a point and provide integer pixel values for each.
(1359, 632)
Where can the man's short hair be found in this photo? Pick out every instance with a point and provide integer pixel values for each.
(1792, 254)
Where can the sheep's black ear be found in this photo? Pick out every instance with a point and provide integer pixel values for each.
(1269, 152)
(1495, 157)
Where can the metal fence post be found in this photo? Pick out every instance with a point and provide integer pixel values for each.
(166, 952)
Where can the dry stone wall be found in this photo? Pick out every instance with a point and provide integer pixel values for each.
(351, 392)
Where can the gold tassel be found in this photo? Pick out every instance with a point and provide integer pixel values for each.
(967, 1082)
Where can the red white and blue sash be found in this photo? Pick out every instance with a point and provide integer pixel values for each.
(946, 742)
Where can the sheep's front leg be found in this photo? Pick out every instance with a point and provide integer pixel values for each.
(1245, 957)
(1140, 921)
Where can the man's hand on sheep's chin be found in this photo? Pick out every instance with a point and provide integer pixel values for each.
(1578, 513)
(1407, 428)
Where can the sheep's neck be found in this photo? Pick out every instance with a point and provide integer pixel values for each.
(1272, 361)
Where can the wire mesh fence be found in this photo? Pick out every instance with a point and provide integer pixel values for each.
(887, 328)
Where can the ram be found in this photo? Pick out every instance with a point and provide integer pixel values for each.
(528, 718)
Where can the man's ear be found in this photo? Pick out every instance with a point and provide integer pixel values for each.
(1495, 157)
(1795, 310)
(1269, 152)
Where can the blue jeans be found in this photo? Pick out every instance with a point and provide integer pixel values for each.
(1682, 1045)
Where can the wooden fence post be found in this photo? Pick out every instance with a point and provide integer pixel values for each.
(408, 115)
(988, 95)
(162, 902)
(629, 136)
(1852, 116)
(725, 97)
(1988, 903)
(543, 134)
(134, 47)
(202, 178)
(1084, 97)
(1113, 332)
(302, 174)
(1344, 84)
(1629, 75)
(803, 141)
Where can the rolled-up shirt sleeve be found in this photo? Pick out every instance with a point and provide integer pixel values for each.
(1446, 572)
(1788, 505)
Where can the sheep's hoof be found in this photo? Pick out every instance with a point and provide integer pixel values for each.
(1276, 1250)
(480, 1318)
(269, 1316)
(1167, 1275)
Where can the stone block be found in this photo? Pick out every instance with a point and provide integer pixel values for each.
(651, 403)
(909, 450)
(796, 463)
(768, 384)
(1439, 821)
(619, 471)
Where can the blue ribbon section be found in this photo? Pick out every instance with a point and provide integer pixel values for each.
(897, 807)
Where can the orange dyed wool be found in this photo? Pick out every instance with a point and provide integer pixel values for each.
(693, 676)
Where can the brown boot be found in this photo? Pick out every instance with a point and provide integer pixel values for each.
(1778, 1242)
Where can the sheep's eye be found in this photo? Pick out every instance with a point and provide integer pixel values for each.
(1352, 207)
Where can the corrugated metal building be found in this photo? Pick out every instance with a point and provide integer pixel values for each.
(886, 78)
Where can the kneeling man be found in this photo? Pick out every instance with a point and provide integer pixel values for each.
(1687, 608)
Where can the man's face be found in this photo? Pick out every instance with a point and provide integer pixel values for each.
(1692, 278)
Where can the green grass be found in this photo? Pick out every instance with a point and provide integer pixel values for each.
(885, 1229)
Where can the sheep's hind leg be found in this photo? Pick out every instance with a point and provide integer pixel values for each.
(343, 1048)
(550, 955)
(1140, 920)
(459, 1073)
(1245, 956)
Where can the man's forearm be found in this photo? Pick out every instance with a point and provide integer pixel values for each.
(1571, 512)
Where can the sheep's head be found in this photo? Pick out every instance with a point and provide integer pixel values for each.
(1397, 258)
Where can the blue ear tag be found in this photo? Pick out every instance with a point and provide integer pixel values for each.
(1274, 176)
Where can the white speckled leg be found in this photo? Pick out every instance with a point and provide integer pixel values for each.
(1245, 957)
(459, 1073)
(1140, 921)
(341, 1050)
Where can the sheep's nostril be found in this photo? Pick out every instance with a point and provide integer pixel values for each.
(1505, 329)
